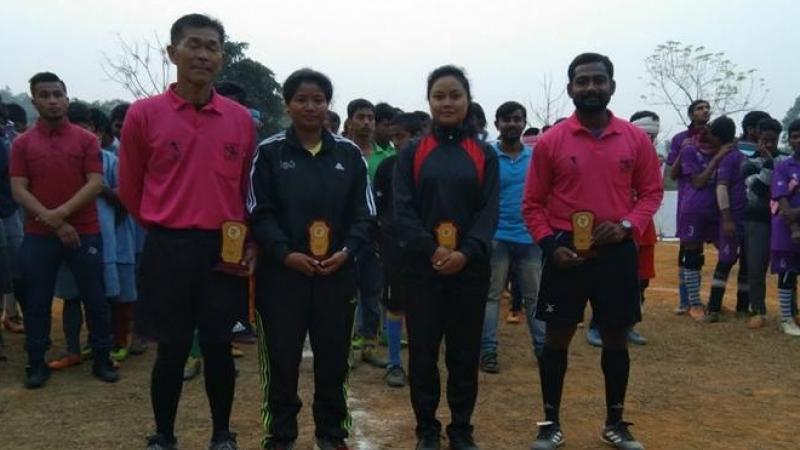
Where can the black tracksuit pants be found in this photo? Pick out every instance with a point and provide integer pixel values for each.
(289, 305)
(449, 307)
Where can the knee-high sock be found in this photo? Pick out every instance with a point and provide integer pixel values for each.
(220, 378)
(616, 367)
(552, 370)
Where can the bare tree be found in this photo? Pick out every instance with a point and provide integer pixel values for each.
(678, 74)
(142, 67)
(552, 103)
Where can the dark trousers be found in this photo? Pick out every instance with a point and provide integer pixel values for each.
(143, 326)
(289, 305)
(40, 258)
(370, 292)
(183, 292)
(449, 307)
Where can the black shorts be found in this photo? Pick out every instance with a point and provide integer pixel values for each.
(609, 280)
(182, 290)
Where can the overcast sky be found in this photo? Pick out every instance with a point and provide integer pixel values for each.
(383, 50)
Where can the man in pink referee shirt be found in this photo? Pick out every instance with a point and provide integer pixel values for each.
(591, 162)
(184, 160)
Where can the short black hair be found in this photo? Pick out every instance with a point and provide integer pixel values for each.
(588, 58)
(751, 119)
(723, 128)
(769, 124)
(410, 122)
(306, 75)
(641, 114)
(422, 115)
(477, 115)
(385, 111)
(333, 117)
(17, 113)
(794, 126)
(449, 71)
(3, 114)
(45, 77)
(695, 104)
(508, 108)
(357, 104)
(79, 113)
(118, 112)
(100, 121)
(195, 21)
(532, 131)
(231, 89)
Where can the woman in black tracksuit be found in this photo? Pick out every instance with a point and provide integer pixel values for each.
(311, 208)
(446, 201)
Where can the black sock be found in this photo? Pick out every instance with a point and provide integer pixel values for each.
(552, 369)
(715, 299)
(616, 366)
(166, 384)
(742, 300)
(220, 378)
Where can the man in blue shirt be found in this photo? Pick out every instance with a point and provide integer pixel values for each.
(513, 248)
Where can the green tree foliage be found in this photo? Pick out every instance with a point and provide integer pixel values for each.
(263, 91)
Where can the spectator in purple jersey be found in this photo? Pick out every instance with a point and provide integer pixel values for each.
(699, 113)
(698, 218)
(785, 241)
(731, 199)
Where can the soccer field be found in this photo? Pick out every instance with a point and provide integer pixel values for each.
(694, 386)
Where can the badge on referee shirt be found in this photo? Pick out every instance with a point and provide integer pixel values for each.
(447, 235)
(582, 227)
(319, 239)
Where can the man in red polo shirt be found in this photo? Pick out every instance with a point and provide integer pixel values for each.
(184, 159)
(56, 173)
(592, 162)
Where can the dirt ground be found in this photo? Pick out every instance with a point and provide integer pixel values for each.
(694, 386)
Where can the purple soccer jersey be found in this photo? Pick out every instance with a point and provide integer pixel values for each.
(679, 141)
(785, 184)
(730, 173)
(698, 200)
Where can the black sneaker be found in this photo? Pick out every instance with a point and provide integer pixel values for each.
(429, 443)
(550, 436)
(36, 375)
(618, 436)
(225, 441)
(159, 442)
(330, 444)
(489, 363)
(462, 442)
(395, 377)
(103, 370)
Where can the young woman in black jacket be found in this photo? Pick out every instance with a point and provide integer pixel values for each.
(311, 208)
(446, 202)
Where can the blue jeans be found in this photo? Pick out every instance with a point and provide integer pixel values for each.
(370, 291)
(525, 260)
(40, 258)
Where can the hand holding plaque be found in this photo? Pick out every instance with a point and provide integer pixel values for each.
(582, 227)
(447, 235)
(232, 252)
(319, 239)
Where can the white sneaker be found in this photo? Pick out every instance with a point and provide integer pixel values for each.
(789, 327)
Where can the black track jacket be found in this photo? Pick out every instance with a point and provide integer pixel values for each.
(446, 176)
(290, 188)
